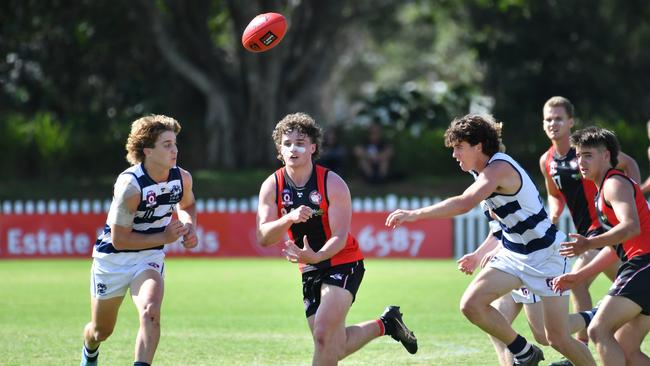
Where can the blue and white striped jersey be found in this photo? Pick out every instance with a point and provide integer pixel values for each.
(525, 225)
(157, 204)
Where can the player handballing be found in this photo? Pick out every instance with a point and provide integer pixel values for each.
(129, 255)
(313, 205)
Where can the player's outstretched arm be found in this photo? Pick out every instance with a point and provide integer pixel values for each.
(554, 196)
(486, 183)
(603, 259)
(619, 193)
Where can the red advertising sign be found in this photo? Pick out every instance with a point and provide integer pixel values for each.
(220, 235)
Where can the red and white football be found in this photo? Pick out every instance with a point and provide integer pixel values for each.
(264, 32)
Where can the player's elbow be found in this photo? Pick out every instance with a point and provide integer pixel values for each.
(633, 231)
(119, 242)
(262, 239)
(464, 206)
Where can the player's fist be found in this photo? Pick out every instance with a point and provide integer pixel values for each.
(190, 240)
(300, 214)
(174, 230)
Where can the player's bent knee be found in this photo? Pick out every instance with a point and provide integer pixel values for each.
(100, 334)
(557, 341)
(150, 313)
(596, 333)
(540, 337)
(471, 308)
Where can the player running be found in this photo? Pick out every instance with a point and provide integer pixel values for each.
(530, 254)
(566, 186)
(129, 255)
(622, 320)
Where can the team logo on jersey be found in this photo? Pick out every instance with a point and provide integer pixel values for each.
(175, 193)
(101, 288)
(286, 197)
(315, 197)
(151, 198)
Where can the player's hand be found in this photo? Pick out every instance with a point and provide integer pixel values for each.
(468, 263)
(300, 214)
(574, 248)
(174, 230)
(296, 255)
(190, 240)
(488, 257)
(565, 282)
(399, 216)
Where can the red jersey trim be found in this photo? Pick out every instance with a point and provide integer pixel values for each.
(640, 244)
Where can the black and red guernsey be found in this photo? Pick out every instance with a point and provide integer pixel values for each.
(638, 245)
(314, 195)
(578, 193)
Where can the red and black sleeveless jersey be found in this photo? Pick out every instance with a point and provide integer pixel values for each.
(314, 195)
(578, 193)
(638, 245)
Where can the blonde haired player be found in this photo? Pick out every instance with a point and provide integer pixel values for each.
(129, 254)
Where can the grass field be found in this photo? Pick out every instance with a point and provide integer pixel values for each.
(239, 312)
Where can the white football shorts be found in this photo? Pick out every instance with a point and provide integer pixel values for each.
(109, 279)
(535, 270)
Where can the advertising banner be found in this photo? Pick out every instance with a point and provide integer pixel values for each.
(220, 235)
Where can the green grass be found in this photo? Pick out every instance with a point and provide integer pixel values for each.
(239, 312)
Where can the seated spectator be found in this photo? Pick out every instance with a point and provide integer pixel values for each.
(374, 155)
(333, 152)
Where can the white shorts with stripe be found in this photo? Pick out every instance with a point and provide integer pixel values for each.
(535, 270)
(109, 279)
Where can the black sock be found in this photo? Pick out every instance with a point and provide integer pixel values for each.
(139, 363)
(91, 354)
(389, 327)
(520, 348)
(588, 315)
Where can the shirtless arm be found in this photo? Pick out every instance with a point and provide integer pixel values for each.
(554, 196)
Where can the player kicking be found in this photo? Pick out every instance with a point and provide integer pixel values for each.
(129, 253)
(530, 254)
(313, 205)
(623, 318)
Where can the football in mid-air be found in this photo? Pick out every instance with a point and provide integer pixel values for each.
(264, 32)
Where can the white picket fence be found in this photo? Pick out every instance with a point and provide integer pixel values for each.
(378, 204)
(470, 229)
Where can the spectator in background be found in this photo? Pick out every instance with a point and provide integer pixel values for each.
(333, 151)
(374, 155)
(645, 186)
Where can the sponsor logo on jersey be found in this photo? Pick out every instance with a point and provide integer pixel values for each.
(175, 193)
(286, 197)
(315, 197)
(151, 199)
